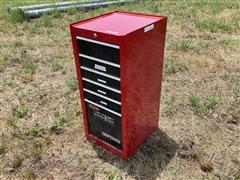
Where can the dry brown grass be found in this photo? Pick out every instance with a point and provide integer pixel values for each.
(197, 140)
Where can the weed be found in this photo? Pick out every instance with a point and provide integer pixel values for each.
(174, 65)
(46, 21)
(34, 131)
(29, 67)
(186, 45)
(19, 111)
(12, 122)
(72, 84)
(17, 161)
(72, 10)
(57, 125)
(17, 43)
(156, 7)
(56, 65)
(215, 25)
(78, 110)
(56, 13)
(204, 106)
(18, 16)
(229, 42)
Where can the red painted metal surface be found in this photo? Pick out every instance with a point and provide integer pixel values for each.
(141, 64)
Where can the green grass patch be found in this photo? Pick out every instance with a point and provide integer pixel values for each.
(78, 110)
(18, 16)
(56, 64)
(57, 125)
(72, 84)
(19, 111)
(170, 105)
(46, 21)
(29, 67)
(17, 43)
(34, 131)
(230, 42)
(173, 66)
(204, 105)
(183, 45)
(214, 25)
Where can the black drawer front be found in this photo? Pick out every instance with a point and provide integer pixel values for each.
(102, 79)
(100, 67)
(103, 91)
(105, 125)
(99, 51)
(103, 102)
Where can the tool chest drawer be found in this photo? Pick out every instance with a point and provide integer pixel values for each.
(105, 125)
(107, 103)
(102, 79)
(97, 49)
(103, 91)
(100, 67)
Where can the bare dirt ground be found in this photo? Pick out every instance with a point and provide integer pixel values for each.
(41, 128)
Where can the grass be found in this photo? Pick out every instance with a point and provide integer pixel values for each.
(56, 64)
(34, 131)
(184, 45)
(18, 16)
(43, 138)
(173, 66)
(46, 21)
(230, 42)
(57, 125)
(19, 111)
(29, 67)
(72, 84)
(214, 26)
(170, 105)
(203, 106)
(78, 110)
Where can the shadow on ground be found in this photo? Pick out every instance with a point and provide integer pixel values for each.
(149, 161)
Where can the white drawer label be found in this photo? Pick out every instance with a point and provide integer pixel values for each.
(101, 68)
(149, 28)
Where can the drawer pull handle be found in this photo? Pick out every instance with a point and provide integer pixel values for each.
(99, 67)
(101, 92)
(102, 102)
(102, 81)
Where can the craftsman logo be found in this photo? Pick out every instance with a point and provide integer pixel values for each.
(149, 28)
(110, 137)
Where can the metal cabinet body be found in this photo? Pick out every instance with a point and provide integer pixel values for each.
(119, 62)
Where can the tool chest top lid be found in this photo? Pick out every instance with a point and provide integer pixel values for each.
(117, 23)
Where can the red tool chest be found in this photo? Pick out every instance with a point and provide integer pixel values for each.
(119, 62)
